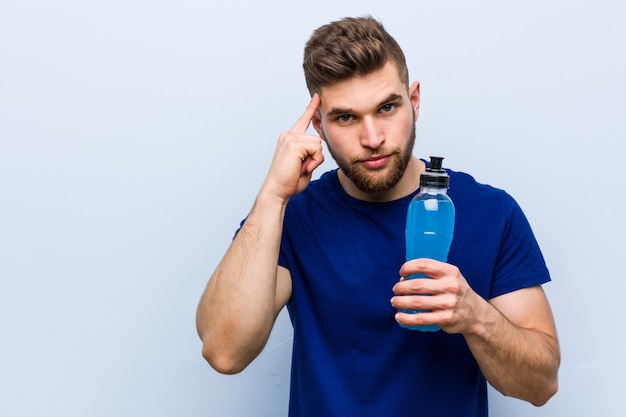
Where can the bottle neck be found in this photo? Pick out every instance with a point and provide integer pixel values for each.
(429, 189)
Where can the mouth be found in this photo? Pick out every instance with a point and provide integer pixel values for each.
(376, 161)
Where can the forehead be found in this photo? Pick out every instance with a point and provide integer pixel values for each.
(364, 92)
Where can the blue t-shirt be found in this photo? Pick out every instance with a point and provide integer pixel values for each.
(350, 357)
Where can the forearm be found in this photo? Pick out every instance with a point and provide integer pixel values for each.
(237, 310)
(243, 297)
(519, 362)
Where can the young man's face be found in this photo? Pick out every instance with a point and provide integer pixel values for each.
(368, 124)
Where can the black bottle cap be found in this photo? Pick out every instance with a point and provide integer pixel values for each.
(435, 175)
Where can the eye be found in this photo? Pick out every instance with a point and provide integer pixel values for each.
(344, 118)
(386, 108)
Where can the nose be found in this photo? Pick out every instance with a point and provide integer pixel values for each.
(371, 134)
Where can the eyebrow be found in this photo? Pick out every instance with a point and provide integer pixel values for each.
(339, 111)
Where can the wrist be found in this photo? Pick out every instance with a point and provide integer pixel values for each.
(485, 320)
(268, 198)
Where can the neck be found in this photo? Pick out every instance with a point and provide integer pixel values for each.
(408, 183)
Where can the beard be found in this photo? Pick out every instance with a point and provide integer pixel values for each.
(380, 180)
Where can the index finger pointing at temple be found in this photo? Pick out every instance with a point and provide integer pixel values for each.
(303, 122)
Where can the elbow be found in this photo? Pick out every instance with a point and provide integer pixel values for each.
(217, 351)
(537, 392)
(535, 396)
(221, 360)
(542, 398)
(551, 384)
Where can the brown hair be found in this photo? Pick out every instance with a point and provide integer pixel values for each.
(353, 46)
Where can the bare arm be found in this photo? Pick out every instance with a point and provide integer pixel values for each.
(243, 297)
(247, 290)
(513, 337)
(516, 345)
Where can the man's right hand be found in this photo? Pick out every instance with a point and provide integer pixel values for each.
(296, 156)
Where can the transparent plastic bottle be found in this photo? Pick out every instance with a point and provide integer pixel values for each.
(430, 223)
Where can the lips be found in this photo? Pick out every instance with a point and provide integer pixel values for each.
(377, 161)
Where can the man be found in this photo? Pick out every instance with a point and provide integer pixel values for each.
(331, 250)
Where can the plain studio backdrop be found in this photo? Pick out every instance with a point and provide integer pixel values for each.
(134, 136)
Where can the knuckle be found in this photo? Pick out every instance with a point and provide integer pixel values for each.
(446, 319)
(415, 302)
(420, 263)
(284, 137)
(416, 285)
(420, 320)
(450, 303)
(453, 287)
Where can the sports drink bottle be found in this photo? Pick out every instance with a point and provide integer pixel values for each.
(430, 223)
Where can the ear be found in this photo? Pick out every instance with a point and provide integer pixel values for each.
(316, 122)
(414, 96)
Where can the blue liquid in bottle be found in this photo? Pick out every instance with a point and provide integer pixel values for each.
(429, 224)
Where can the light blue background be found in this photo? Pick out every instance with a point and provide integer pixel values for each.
(134, 136)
